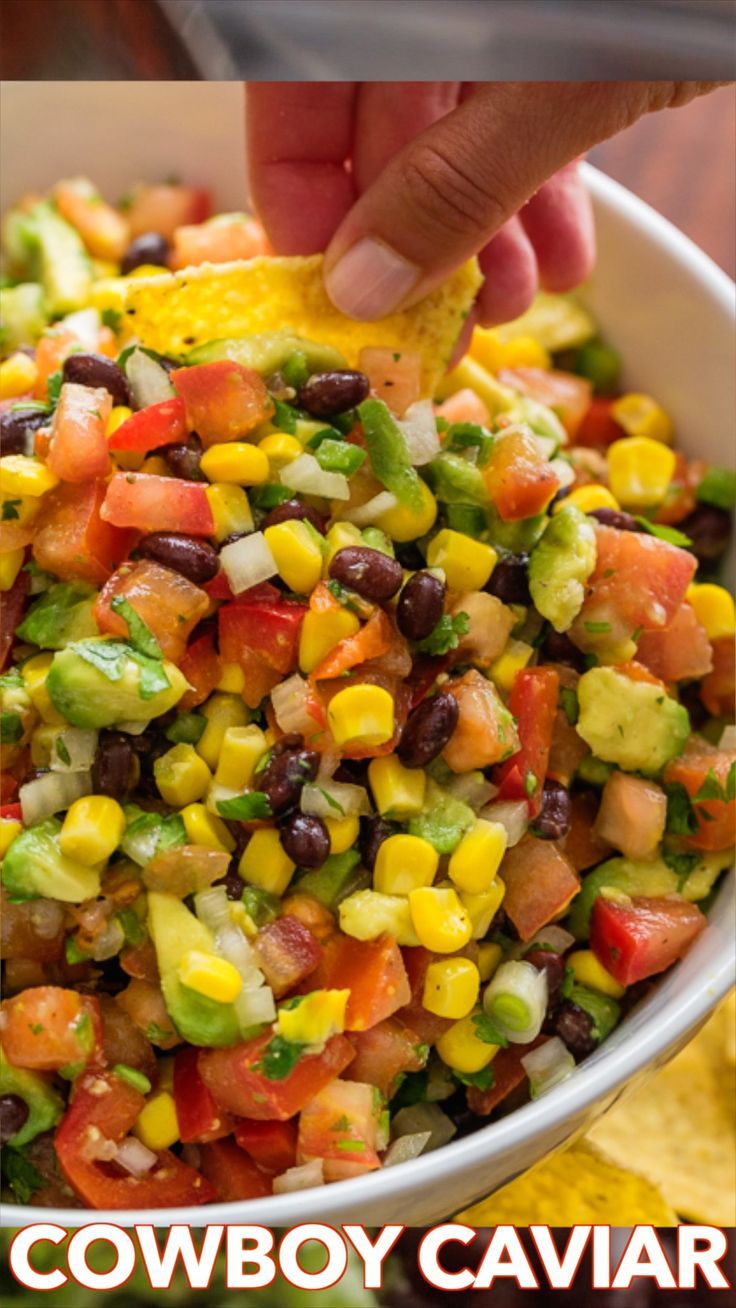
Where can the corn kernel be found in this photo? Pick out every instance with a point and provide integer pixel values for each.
(265, 862)
(11, 563)
(92, 829)
(9, 829)
(230, 509)
(588, 498)
(118, 415)
(714, 609)
(21, 475)
(524, 352)
(515, 656)
(440, 919)
(280, 449)
(156, 466)
(235, 461)
(476, 860)
(232, 679)
(487, 348)
(639, 471)
(241, 749)
(297, 550)
(589, 972)
(489, 958)
(397, 791)
(366, 914)
(17, 376)
(640, 415)
(403, 864)
(340, 536)
(362, 714)
(320, 632)
(157, 1125)
(34, 673)
(316, 1018)
(451, 987)
(205, 829)
(221, 712)
(404, 524)
(462, 1049)
(210, 976)
(343, 832)
(181, 775)
(467, 564)
(482, 908)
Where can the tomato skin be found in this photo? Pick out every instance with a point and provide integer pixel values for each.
(540, 882)
(564, 392)
(716, 817)
(72, 540)
(48, 1027)
(200, 664)
(373, 971)
(152, 503)
(508, 1075)
(598, 427)
(679, 652)
(485, 733)
(231, 1172)
(159, 424)
(383, 1053)
(463, 406)
(637, 940)
(51, 351)
(239, 1086)
(287, 953)
(395, 379)
(520, 481)
(200, 1120)
(164, 207)
(78, 448)
(11, 612)
(339, 1125)
(219, 242)
(533, 702)
(271, 1145)
(223, 400)
(169, 604)
(370, 642)
(269, 630)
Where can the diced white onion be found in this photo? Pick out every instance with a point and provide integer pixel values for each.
(109, 942)
(519, 989)
(141, 845)
(232, 945)
(289, 701)
(247, 562)
(80, 747)
(149, 382)
(253, 1007)
(406, 1148)
(424, 1119)
(472, 788)
(548, 1066)
(52, 793)
(553, 937)
(365, 514)
(419, 428)
(135, 1157)
(335, 799)
(513, 814)
(563, 471)
(85, 324)
(305, 475)
(255, 1003)
(212, 907)
(300, 1178)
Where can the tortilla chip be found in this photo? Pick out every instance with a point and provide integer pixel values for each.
(575, 1185)
(176, 312)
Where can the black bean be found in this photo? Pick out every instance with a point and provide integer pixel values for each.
(409, 555)
(553, 821)
(99, 371)
(284, 775)
(17, 427)
(149, 247)
(575, 1028)
(326, 394)
(293, 509)
(372, 574)
(183, 458)
(558, 648)
(13, 1115)
(233, 884)
(709, 530)
(115, 767)
(373, 832)
(421, 605)
(509, 580)
(615, 518)
(428, 730)
(553, 966)
(196, 560)
(305, 839)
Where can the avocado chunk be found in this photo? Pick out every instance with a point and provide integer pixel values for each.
(634, 724)
(266, 352)
(174, 931)
(604, 1011)
(44, 1105)
(652, 880)
(35, 868)
(57, 257)
(334, 879)
(560, 564)
(444, 820)
(98, 683)
(22, 314)
(62, 614)
(17, 714)
(456, 480)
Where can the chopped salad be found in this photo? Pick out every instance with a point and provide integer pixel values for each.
(365, 751)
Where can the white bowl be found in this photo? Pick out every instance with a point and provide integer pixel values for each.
(670, 312)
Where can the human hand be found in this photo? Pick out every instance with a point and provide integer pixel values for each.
(400, 182)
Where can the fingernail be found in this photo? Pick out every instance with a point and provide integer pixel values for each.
(370, 280)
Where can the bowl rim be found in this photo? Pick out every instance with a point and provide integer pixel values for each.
(604, 1075)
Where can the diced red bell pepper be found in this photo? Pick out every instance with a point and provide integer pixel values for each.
(169, 604)
(200, 664)
(11, 813)
(224, 401)
(78, 449)
(598, 427)
(383, 1054)
(159, 424)
(48, 1027)
(238, 1082)
(508, 1075)
(533, 702)
(372, 970)
(219, 587)
(287, 953)
(271, 1145)
(231, 1173)
(105, 1106)
(200, 1120)
(704, 766)
(153, 503)
(340, 1125)
(519, 479)
(11, 612)
(637, 940)
(270, 630)
(539, 881)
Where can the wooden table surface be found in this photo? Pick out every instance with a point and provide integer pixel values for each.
(683, 163)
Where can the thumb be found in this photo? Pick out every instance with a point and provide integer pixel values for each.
(441, 199)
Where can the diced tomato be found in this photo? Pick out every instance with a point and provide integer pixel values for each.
(19, 923)
(533, 702)
(236, 236)
(372, 970)
(72, 541)
(271, 1145)
(268, 630)
(200, 664)
(78, 445)
(104, 230)
(238, 1082)
(463, 406)
(428, 1026)
(718, 690)
(395, 378)
(169, 605)
(48, 1027)
(567, 750)
(485, 732)
(231, 1173)
(519, 479)
(11, 812)
(287, 953)
(260, 678)
(310, 912)
(153, 503)
(678, 652)
(598, 427)
(159, 424)
(224, 400)
(384, 1053)
(704, 768)
(581, 846)
(540, 882)
(219, 587)
(16, 535)
(199, 1118)
(11, 612)
(52, 349)
(508, 1075)
(632, 815)
(565, 393)
(163, 208)
(340, 1126)
(637, 940)
(370, 642)
(104, 1108)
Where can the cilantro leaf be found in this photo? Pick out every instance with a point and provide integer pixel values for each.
(681, 820)
(10, 509)
(244, 808)
(712, 788)
(446, 635)
(681, 864)
(54, 385)
(487, 1031)
(141, 637)
(61, 750)
(482, 1080)
(112, 318)
(569, 705)
(279, 1058)
(110, 657)
(718, 488)
(21, 1175)
(11, 727)
(662, 532)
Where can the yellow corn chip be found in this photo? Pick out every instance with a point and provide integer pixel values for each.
(177, 312)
